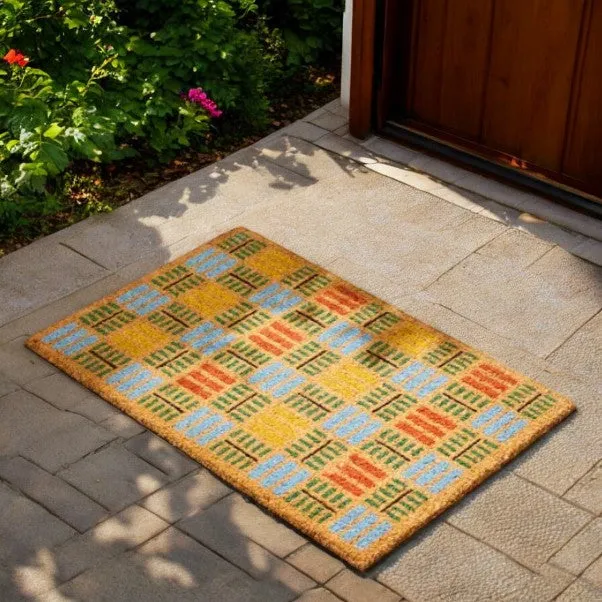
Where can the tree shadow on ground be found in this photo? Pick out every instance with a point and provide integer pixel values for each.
(173, 550)
(158, 554)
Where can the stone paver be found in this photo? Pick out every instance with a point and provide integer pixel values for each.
(544, 521)
(58, 389)
(170, 567)
(319, 565)
(515, 247)
(353, 588)
(27, 281)
(329, 121)
(581, 591)
(591, 250)
(318, 595)
(447, 565)
(25, 526)
(587, 492)
(439, 169)
(7, 386)
(114, 477)
(563, 216)
(306, 131)
(124, 531)
(20, 365)
(390, 150)
(538, 307)
(122, 425)
(471, 258)
(335, 106)
(227, 528)
(492, 189)
(571, 450)
(53, 493)
(471, 201)
(407, 176)
(582, 353)
(345, 147)
(424, 253)
(12, 590)
(97, 410)
(161, 455)
(581, 550)
(112, 243)
(188, 496)
(593, 574)
(307, 160)
(48, 437)
(233, 516)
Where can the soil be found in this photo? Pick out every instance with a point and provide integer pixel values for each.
(93, 188)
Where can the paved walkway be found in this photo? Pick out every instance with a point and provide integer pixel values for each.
(94, 507)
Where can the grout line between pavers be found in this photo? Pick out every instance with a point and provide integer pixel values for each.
(570, 336)
(34, 310)
(401, 597)
(285, 559)
(510, 342)
(109, 511)
(502, 552)
(68, 410)
(489, 241)
(24, 494)
(113, 556)
(317, 588)
(148, 461)
(74, 250)
(592, 520)
(572, 582)
(204, 545)
(560, 496)
(176, 482)
(554, 246)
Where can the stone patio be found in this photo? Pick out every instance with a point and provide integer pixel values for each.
(94, 507)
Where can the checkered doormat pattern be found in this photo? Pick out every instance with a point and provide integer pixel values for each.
(342, 415)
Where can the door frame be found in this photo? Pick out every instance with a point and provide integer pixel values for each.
(367, 106)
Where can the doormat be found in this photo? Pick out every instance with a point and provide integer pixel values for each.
(342, 415)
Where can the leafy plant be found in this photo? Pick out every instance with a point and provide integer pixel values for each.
(310, 28)
(105, 79)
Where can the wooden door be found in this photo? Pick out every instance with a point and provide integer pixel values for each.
(515, 81)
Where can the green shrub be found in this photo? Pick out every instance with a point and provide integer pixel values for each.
(98, 87)
(310, 28)
(107, 79)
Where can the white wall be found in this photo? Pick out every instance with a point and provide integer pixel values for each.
(346, 63)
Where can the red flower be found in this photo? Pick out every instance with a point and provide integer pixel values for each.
(14, 56)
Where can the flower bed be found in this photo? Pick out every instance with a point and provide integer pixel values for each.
(108, 81)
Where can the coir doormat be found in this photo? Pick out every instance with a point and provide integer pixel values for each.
(342, 415)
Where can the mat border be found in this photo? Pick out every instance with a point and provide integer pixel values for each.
(359, 560)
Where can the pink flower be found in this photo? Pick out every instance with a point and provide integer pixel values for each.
(199, 97)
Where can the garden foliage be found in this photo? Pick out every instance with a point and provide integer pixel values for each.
(309, 28)
(104, 79)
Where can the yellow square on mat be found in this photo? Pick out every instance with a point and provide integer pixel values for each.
(274, 262)
(348, 379)
(277, 426)
(339, 413)
(138, 339)
(210, 299)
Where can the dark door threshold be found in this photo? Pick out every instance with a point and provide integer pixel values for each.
(559, 194)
